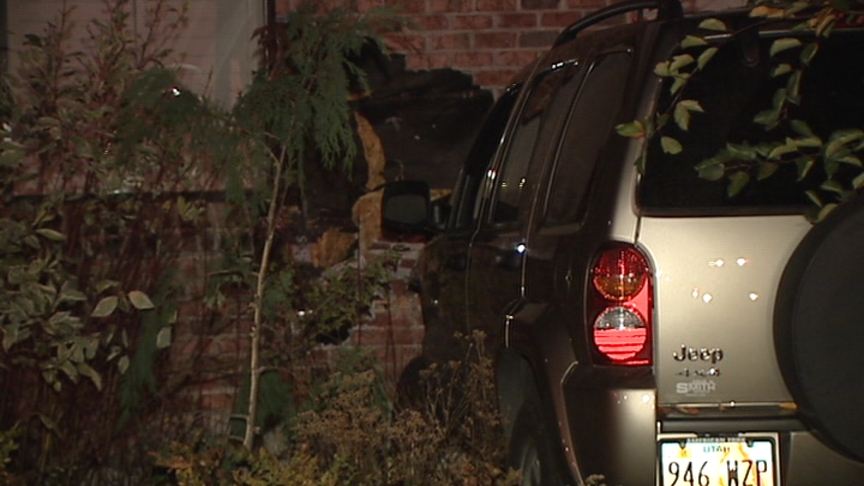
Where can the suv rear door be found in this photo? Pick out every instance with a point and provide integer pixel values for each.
(445, 260)
(719, 259)
(497, 250)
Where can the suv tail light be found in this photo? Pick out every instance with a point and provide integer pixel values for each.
(620, 293)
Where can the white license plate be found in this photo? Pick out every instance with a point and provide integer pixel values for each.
(719, 461)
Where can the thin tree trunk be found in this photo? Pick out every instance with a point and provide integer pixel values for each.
(255, 332)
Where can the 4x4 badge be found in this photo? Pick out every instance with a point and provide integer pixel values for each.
(713, 355)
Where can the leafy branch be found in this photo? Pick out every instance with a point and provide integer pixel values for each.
(296, 112)
(793, 142)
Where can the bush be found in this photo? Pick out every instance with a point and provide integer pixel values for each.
(350, 432)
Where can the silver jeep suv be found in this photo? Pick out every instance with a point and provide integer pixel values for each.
(653, 325)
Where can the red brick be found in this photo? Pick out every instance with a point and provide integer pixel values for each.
(432, 22)
(399, 287)
(428, 61)
(451, 6)
(387, 336)
(494, 40)
(497, 77)
(538, 38)
(450, 42)
(407, 6)
(406, 43)
(517, 20)
(540, 4)
(586, 4)
(216, 401)
(516, 58)
(473, 59)
(560, 19)
(471, 22)
(496, 5)
(364, 5)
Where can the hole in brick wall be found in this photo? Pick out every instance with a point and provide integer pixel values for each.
(426, 121)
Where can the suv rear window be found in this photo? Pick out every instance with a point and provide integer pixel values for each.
(735, 86)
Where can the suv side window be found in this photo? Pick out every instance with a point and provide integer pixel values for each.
(588, 128)
(536, 130)
(479, 159)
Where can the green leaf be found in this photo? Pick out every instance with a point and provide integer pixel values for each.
(62, 317)
(9, 144)
(830, 166)
(69, 293)
(793, 88)
(711, 170)
(105, 307)
(69, 370)
(713, 24)
(114, 352)
(840, 138)
(682, 117)
(832, 186)
(681, 61)
(778, 152)
(662, 69)
(693, 41)
(104, 285)
(763, 11)
(682, 112)
(812, 142)
(766, 170)
(797, 7)
(779, 99)
(50, 234)
(814, 198)
(123, 364)
(808, 53)
(679, 83)
(858, 181)
(737, 181)
(850, 159)
(783, 44)
(781, 69)
(10, 336)
(768, 118)
(692, 105)
(802, 128)
(670, 145)
(825, 211)
(140, 300)
(706, 56)
(32, 242)
(163, 339)
(86, 370)
(634, 129)
(11, 158)
(825, 25)
(741, 151)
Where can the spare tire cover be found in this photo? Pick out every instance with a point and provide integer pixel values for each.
(819, 328)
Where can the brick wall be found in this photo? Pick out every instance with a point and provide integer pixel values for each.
(490, 39)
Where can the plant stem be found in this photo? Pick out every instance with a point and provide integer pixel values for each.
(258, 305)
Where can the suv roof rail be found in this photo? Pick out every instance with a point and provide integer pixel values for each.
(666, 9)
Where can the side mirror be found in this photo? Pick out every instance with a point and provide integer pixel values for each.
(405, 208)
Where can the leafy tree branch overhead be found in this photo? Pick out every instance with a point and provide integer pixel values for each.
(781, 135)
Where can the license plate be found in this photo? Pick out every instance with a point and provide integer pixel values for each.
(719, 461)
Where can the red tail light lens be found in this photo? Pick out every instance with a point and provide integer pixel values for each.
(621, 310)
(620, 273)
